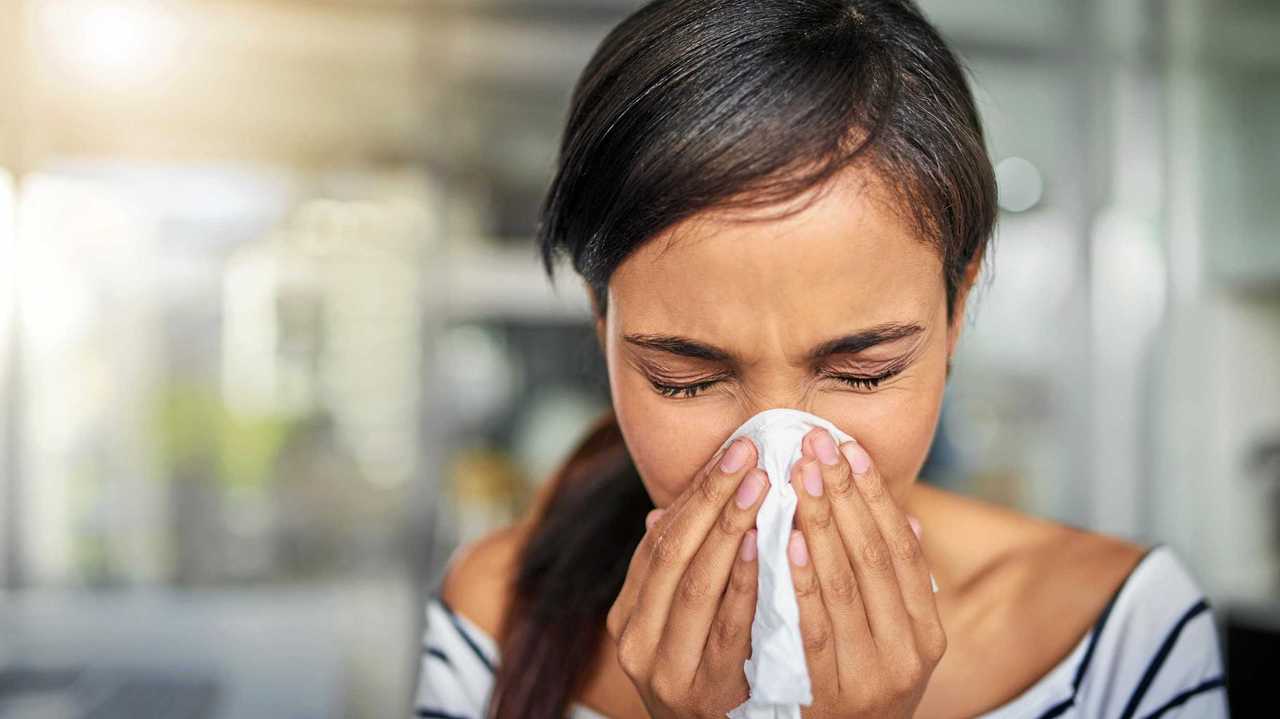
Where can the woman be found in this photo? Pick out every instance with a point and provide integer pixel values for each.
(785, 203)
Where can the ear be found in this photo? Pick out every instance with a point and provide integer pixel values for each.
(962, 296)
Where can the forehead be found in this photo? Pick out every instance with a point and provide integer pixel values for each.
(845, 260)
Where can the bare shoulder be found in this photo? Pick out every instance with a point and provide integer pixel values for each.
(1059, 585)
(1016, 569)
(1071, 570)
(1074, 573)
(477, 583)
(1017, 595)
(991, 543)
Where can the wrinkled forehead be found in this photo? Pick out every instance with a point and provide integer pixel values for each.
(844, 258)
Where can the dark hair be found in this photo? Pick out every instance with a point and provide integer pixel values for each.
(569, 572)
(691, 105)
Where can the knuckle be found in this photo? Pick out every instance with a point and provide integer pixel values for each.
(630, 657)
(936, 644)
(904, 674)
(873, 489)
(727, 525)
(712, 491)
(665, 550)
(910, 672)
(694, 586)
(666, 690)
(876, 556)
(907, 549)
(842, 588)
(727, 632)
(817, 639)
(841, 485)
(741, 581)
(819, 518)
(806, 586)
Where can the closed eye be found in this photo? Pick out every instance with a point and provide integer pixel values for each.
(864, 383)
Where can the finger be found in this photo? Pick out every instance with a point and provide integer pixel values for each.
(868, 553)
(729, 643)
(840, 592)
(700, 589)
(620, 611)
(912, 572)
(815, 624)
(651, 519)
(678, 536)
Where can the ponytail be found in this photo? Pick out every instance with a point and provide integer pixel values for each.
(586, 525)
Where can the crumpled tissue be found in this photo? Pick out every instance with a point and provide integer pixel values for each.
(776, 671)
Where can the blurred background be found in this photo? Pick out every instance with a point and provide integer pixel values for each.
(274, 340)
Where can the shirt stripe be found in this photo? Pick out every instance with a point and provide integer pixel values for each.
(1158, 660)
(466, 636)
(455, 676)
(1102, 621)
(1094, 634)
(428, 713)
(1181, 697)
(438, 653)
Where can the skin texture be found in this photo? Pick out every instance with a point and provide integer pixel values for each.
(1016, 592)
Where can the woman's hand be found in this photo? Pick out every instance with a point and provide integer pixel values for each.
(682, 621)
(871, 631)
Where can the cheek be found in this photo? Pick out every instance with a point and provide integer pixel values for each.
(668, 441)
(896, 426)
(897, 433)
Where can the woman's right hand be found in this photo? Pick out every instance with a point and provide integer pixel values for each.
(682, 622)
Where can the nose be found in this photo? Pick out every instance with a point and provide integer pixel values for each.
(786, 398)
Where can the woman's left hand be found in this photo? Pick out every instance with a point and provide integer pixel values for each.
(871, 631)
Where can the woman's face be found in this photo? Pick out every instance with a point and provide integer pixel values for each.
(717, 319)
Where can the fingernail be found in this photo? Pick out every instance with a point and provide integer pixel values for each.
(859, 460)
(825, 447)
(652, 517)
(733, 460)
(812, 479)
(797, 550)
(915, 525)
(749, 490)
(748, 552)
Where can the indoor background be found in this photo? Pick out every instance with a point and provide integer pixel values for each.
(274, 339)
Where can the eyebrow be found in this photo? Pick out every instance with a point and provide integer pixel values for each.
(856, 342)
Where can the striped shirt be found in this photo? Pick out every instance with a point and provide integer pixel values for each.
(1153, 652)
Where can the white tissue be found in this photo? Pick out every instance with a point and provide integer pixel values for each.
(776, 670)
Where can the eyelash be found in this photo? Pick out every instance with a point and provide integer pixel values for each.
(675, 391)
